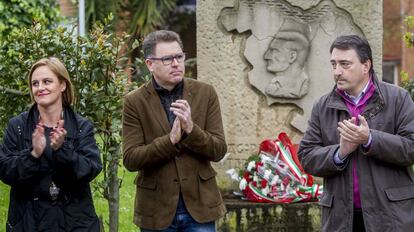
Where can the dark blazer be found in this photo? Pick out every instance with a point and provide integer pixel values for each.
(385, 174)
(71, 168)
(165, 169)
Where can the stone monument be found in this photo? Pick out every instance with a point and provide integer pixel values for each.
(269, 62)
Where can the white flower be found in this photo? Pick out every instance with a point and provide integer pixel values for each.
(274, 180)
(256, 178)
(243, 184)
(251, 166)
(233, 174)
(267, 174)
(266, 190)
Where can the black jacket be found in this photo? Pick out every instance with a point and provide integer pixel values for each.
(70, 168)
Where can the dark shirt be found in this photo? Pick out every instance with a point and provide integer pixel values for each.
(167, 97)
(46, 168)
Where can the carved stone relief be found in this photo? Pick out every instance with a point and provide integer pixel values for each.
(285, 58)
(287, 48)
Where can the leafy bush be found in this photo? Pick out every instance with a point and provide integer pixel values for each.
(98, 66)
(21, 13)
(409, 34)
(407, 82)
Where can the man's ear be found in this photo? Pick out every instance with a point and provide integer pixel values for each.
(367, 66)
(292, 56)
(149, 64)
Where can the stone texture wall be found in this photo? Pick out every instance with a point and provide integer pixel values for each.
(248, 118)
(262, 217)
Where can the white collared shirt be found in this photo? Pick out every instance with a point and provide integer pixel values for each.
(356, 99)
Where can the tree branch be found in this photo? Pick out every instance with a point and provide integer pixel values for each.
(12, 91)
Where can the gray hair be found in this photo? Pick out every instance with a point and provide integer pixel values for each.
(155, 37)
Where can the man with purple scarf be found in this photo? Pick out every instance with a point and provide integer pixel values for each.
(360, 139)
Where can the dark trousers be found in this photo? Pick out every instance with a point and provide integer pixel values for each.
(358, 222)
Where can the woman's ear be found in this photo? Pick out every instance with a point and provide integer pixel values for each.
(63, 86)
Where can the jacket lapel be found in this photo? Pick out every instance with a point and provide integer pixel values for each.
(187, 92)
(157, 110)
(376, 103)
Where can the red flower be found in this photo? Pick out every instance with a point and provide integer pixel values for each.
(263, 183)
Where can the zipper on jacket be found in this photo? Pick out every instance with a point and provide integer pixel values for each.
(10, 227)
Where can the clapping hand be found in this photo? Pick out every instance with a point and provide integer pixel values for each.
(175, 134)
(57, 136)
(352, 135)
(182, 110)
(38, 141)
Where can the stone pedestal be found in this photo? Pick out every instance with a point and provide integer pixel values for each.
(245, 216)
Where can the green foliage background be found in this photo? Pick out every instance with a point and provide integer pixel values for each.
(409, 34)
(16, 14)
(406, 81)
(139, 17)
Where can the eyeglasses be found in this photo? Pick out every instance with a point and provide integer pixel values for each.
(167, 60)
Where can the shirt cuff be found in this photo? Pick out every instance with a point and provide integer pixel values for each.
(337, 159)
(368, 144)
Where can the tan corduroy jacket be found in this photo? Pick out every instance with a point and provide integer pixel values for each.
(165, 169)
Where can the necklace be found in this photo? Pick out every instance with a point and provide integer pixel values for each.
(48, 125)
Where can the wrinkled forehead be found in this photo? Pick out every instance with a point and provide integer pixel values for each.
(167, 48)
(344, 54)
(336, 52)
(42, 71)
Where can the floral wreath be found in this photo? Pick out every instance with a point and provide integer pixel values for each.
(275, 175)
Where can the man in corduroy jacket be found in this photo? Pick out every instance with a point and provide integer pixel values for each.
(172, 130)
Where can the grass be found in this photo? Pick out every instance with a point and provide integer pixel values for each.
(4, 205)
(126, 209)
(126, 204)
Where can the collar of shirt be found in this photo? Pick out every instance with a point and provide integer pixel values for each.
(165, 92)
(356, 99)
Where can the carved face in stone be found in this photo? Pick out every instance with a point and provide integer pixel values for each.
(285, 59)
(278, 56)
(288, 50)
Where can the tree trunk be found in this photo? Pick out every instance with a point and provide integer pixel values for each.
(113, 193)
